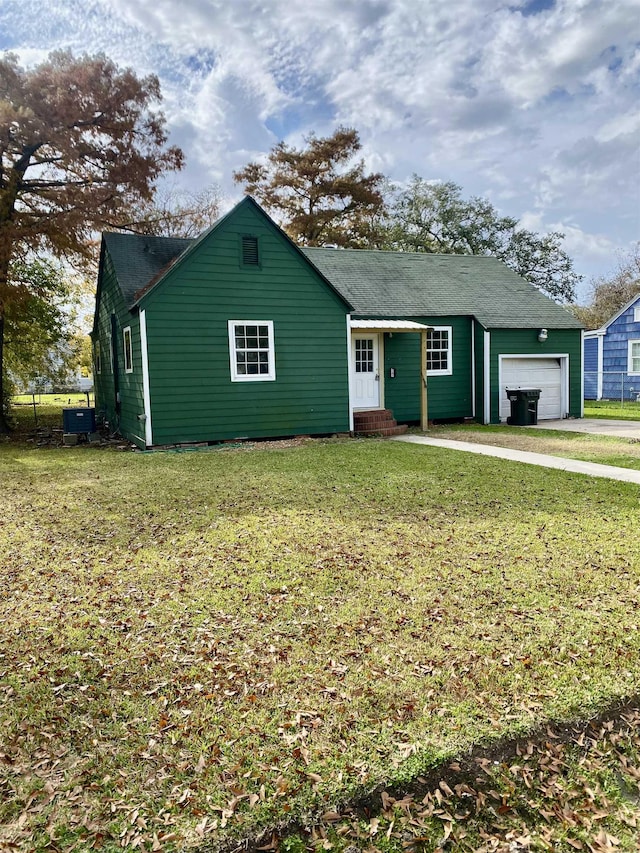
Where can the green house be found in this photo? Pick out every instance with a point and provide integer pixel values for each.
(241, 334)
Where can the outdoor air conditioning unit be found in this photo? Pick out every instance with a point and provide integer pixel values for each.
(78, 421)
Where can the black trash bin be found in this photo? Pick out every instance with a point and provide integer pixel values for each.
(524, 406)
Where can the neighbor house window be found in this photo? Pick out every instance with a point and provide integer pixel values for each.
(439, 351)
(633, 365)
(636, 315)
(251, 350)
(128, 352)
(97, 357)
(250, 252)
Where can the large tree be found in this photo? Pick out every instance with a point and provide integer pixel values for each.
(434, 217)
(175, 212)
(608, 294)
(80, 145)
(320, 194)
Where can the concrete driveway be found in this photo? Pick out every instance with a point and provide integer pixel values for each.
(594, 426)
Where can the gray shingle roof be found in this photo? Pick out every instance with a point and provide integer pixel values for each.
(138, 259)
(378, 284)
(411, 284)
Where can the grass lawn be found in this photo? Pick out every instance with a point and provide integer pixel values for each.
(627, 410)
(606, 450)
(198, 646)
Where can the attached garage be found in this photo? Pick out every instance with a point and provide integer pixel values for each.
(548, 373)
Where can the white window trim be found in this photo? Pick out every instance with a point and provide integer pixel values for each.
(636, 314)
(125, 331)
(449, 368)
(630, 370)
(254, 377)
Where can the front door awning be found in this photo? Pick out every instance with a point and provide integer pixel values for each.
(387, 326)
(390, 326)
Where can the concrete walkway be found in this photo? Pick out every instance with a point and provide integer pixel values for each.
(575, 466)
(594, 426)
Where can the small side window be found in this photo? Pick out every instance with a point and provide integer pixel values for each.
(633, 362)
(128, 352)
(439, 351)
(636, 315)
(97, 357)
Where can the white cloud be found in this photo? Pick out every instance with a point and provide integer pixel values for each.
(538, 111)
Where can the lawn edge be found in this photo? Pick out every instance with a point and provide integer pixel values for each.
(453, 769)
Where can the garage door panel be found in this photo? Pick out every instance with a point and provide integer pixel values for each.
(542, 373)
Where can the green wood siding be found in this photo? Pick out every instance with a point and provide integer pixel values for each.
(187, 314)
(126, 421)
(447, 396)
(525, 342)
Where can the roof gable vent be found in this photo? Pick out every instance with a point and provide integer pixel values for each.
(250, 255)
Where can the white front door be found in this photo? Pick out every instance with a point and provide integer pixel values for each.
(366, 372)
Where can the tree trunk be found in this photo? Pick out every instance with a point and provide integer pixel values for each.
(4, 424)
(8, 197)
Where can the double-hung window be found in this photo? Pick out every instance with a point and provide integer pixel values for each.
(128, 350)
(251, 350)
(439, 351)
(633, 362)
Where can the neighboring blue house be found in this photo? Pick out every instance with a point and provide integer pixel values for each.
(612, 357)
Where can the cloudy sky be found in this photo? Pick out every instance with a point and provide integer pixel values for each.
(534, 104)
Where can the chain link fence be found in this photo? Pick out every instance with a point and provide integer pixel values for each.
(617, 386)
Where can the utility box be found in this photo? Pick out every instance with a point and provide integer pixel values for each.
(78, 420)
(524, 406)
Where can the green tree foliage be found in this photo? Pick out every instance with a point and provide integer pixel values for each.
(80, 146)
(434, 217)
(319, 194)
(39, 334)
(609, 294)
(83, 351)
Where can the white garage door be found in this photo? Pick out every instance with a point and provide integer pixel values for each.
(542, 373)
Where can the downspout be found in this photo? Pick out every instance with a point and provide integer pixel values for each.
(581, 373)
(349, 372)
(473, 368)
(487, 378)
(146, 391)
(600, 380)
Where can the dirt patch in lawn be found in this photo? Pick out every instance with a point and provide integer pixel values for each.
(571, 787)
